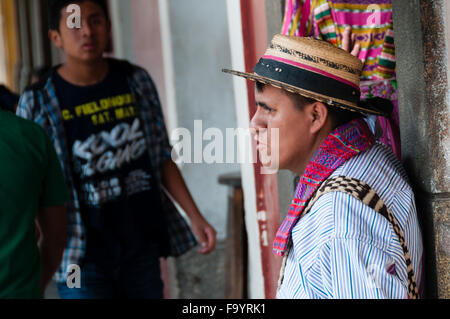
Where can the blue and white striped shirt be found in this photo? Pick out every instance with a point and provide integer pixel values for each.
(343, 249)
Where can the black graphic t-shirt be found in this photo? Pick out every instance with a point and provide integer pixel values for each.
(112, 171)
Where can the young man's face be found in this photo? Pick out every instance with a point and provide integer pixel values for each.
(276, 110)
(89, 42)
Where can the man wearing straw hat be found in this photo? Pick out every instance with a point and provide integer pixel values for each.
(352, 229)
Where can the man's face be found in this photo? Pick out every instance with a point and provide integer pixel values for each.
(276, 110)
(89, 42)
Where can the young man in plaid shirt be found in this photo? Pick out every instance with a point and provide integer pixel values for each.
(105, 120)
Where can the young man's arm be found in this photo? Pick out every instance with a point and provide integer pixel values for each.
(52, 242)
(173, 181)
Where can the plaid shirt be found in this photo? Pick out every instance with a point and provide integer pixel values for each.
(40, 104)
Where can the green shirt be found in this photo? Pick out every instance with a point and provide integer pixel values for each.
(30, 178)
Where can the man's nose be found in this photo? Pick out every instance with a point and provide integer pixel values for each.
(258, 121)
(86, 29)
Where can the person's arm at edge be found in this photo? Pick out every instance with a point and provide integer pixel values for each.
(52, 215)
(174, 183)
(53, 225)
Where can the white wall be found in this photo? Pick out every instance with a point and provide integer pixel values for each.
(200, 49)
(255, 274)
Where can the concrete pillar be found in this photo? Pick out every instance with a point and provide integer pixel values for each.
(286, 185)
(422, 50)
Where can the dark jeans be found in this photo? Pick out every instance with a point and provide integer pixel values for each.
(137, 279)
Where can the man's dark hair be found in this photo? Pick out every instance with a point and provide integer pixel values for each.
(339, 116)
(55, 7)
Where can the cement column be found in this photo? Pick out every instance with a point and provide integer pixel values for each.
(422, 50)
(286, 185)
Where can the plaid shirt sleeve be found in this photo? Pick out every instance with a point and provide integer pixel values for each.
(25, 106)
(161, 148)
(32, 107)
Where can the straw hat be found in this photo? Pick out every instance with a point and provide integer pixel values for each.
(315, 69)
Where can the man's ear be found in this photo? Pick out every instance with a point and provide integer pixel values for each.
(55, 37)
(319, 116)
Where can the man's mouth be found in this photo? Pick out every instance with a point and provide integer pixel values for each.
(262, 147)
(89, 46)
(262, 144)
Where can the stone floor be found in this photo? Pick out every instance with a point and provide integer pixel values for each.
(202, 277)
(51, 292)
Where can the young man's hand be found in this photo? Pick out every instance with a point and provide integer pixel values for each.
(175, 185)
(206, 234)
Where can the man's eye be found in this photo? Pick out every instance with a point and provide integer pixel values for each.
(266, 108)
(96, 21)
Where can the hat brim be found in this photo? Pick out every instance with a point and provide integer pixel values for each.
(308, 94)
